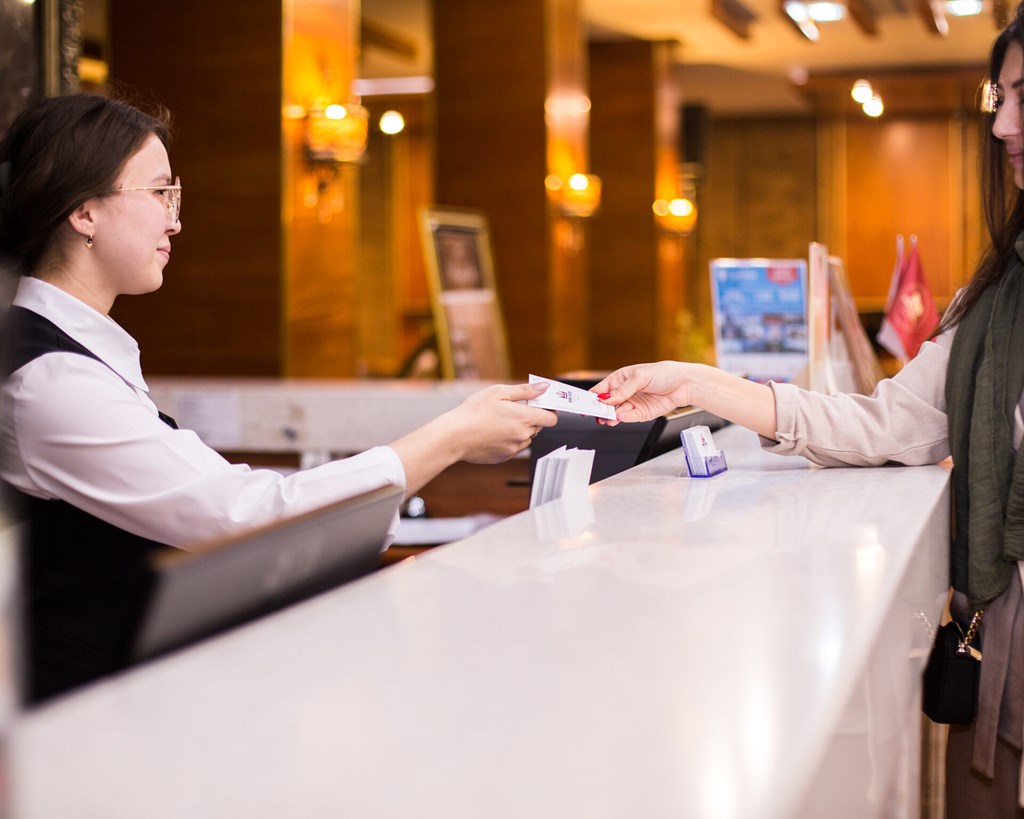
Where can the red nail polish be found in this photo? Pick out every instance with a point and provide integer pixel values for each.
(604, 395)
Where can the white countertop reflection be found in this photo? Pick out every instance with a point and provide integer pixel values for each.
(662, 647)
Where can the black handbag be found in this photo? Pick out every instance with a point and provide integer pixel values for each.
(951, 676)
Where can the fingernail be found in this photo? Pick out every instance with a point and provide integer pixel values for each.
(604, 395)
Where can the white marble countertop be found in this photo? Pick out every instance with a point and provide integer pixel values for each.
(744, 646)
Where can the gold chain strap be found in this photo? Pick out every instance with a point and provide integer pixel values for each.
(972, 631)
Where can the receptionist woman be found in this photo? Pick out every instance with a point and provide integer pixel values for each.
(961, 395)
(89, 209)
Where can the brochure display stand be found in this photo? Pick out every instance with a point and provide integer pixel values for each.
(792, 320)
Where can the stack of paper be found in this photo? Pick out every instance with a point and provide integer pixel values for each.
(561, 472)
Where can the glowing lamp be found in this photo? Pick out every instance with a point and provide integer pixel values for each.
(337, 133)
(675, 215)
(577, 196)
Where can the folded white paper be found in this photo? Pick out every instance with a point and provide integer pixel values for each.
(565, 398)
(559, 473)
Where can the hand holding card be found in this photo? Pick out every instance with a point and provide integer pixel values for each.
(565, 398)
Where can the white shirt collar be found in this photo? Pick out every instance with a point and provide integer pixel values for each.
(100, 334)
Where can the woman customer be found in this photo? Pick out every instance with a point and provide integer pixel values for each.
(88, 211)
(961, 396)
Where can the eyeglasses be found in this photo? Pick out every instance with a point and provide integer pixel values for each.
(171, 196)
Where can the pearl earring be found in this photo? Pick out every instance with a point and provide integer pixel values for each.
(88, 242)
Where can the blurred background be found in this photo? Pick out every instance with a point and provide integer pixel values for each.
(614, 148)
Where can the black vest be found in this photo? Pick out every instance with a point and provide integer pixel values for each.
(85, 581)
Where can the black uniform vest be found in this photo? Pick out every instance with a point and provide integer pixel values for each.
(85, 582)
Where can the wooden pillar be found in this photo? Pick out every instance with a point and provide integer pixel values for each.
(262, 279)
(637, 272)
(218, 311)
(497, 67)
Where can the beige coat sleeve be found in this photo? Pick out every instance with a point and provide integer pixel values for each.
(903, 421)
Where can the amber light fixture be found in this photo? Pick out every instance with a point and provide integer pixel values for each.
(336, 133)
(577, 196)
(676, 215)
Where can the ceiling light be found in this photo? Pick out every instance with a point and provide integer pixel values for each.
(873, 107)
(964, 8)
(825, 12)
(797, 13)
(861, 91)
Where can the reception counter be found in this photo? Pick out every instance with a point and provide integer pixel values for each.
(744, 646)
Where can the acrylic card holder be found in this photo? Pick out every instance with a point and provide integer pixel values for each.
(703, 460)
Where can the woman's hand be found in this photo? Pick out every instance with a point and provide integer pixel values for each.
(488, 427)
(645, 391)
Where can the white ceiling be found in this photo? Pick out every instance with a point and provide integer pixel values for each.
(719, 69)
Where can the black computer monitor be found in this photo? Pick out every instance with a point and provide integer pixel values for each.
(224, 583)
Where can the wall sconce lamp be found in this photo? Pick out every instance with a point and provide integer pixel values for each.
(677, 216)
(577, 196)
(336, 133)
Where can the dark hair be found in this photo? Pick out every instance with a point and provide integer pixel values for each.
(1003, 204)
(58, 153)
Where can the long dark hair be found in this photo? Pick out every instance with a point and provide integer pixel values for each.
(59, 153)
(1003, 203)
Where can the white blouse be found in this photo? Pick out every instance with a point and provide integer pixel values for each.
(85, 431)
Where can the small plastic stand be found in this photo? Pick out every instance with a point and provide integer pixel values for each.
(713, 465)
(703, 460)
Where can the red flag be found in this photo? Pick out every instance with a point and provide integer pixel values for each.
(911, 316)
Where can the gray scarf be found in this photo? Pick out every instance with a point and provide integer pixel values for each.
(984, 383)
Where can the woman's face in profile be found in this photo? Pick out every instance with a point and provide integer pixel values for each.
(1007, 125)
(134, 229)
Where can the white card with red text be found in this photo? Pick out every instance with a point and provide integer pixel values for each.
(565, 398)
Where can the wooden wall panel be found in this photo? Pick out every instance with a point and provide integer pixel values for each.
(624, 303)
(218, 311)
(490, 76)
(904, 176)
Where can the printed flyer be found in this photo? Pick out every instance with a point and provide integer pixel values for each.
(760, 317)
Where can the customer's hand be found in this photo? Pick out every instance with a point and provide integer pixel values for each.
(641, 392)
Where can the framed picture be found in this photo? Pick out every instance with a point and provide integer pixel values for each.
(471, 341)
